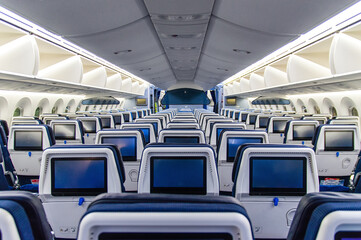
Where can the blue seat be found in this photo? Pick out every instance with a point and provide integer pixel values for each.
(5, 126)
(166, 215)
(27, 214)
(322, 215)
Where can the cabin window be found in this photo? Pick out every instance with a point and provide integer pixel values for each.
(316, 109)
(77, 109)
(304, 109)
(18, 112)
(353, 111)
(333, 112)
(38, 112)
(284, 108)
(95, 107)
(67, 109)
(86, 108)
(54, 110)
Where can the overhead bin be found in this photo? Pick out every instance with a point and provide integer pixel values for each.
(20, 56)
(70, 70)
(96, 77)
(256, 81)
(244, 84)
(345, 54)
(114, 82)
(127, 85)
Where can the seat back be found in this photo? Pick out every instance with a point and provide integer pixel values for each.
(91, 125)
(300, 132)
(184, 120)
(70, 178)
(243, 116)
(146, 128)
(126, 117)
(68, 132)
(178, 168)
(160, 216)
(251, 120)
(182, 136)
(47, 119)
(5, 126)
(229, 141)
(276, 128)
(204, 123)
(162, 119)
(23, 217)
(118, 119)
(210, 124)
(344, 122)
(273, 178)
(327, 216)
(262, 121)
(218, 127)
(26, 122)
(172, 125)
(157, 123)
(321, 120)
(107, 120)
(337, 148)
(130, 142)
(26, 145)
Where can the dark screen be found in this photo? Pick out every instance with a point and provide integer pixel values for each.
(263, 122)
(78, 176)
(126, 117)
(64, 131)
(134, 115)
(117, 119)
(28, 140)
(303, 132)
(348, 235)
(279, 126)
(339, 141)
(89, 126)
(165, 236)
(234, 142)
(278, 176)
(181, 139)
(105, 122)
(179, 175)
(244, 117)
(126, 145)
(236, 116)
(252, 119)
(231, 114)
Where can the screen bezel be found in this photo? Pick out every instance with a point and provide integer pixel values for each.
(253, 117)
(180, 137)
(124, 158)
(253, 191)
(231, 159)
(32, 148)
(179, 190)
(302, 138)
(339, 148)
(107, 119)
(78, 191)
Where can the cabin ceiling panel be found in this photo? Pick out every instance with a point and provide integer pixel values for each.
(290, 17)
(78, 17)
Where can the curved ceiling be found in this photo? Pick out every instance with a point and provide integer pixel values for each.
(173, 43)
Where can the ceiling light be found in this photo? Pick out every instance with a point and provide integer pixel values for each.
(123, 51)
(241, 51)
(222, 69)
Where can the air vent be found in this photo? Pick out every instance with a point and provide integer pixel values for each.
(122, 51)
(241, 51)
(144, 69)
(182, 48)
(222, 69)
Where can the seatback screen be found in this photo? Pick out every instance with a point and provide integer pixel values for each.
(78, 176)
(180, 139)
(348, 235)
(303, 132)
(105, 122)
(244, 117)
(134, 115)
(234, 142)
(279, 126)
(117, 119)
(126, 117)
(178, 175)
(89, 126)
(263, 122)
(28, 140)
(236, 116)
(64, 131)
(252, 119)
(339, 140)
(165, 236)
(283, 176)
(146, 133)
(126, 144)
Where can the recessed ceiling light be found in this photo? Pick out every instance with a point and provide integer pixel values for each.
(145, 69)
(223, 69)
(241, 51)
(182, 48)
(123, 51)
